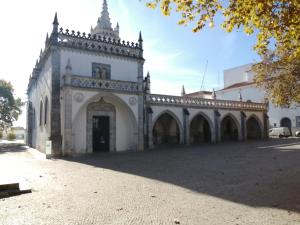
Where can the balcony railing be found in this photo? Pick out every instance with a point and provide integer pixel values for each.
(95, 83)
(204, 103)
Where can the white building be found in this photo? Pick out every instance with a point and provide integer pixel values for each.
(88, 93)
(239, 83)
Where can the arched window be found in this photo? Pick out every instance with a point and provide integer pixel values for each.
(41, 113)
(33, 118)
(46, 110)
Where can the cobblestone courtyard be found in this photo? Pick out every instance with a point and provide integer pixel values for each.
(235, 183)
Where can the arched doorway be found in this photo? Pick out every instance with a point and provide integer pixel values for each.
(200, 131)
(229, 129)
(101, 126)
(253, 129)
(286, 122)
(166, 130)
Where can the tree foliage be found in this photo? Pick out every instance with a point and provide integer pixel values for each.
(10, 108)
(276, 24)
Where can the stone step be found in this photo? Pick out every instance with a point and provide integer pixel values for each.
(12, 189)
(9, 186)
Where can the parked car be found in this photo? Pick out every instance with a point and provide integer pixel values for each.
(280, 132)
(297, 133)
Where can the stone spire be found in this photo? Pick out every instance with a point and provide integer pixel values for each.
(104, 26)
(104, 20)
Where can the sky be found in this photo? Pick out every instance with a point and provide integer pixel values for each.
(175, 56)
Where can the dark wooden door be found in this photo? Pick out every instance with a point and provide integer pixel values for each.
(101, 134)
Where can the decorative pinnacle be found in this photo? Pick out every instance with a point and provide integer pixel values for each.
(47, 38)
(182, 91)
(148, 74)
(55, 21)
(214, 96)
(68, 67)
(140, 37)
(240, 96)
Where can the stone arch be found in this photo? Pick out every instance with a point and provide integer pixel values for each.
(124, 139)
(230, 128)
(254, 128)
(201, 129)
(286, 122)
(167, 129)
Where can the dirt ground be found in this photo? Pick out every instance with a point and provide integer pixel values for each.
(255, 183)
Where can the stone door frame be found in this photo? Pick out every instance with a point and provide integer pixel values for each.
(101, 108)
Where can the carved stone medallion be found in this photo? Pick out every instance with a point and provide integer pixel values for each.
(132, 100)
(78, 97)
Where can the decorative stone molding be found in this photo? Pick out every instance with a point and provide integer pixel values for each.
(98, 43)
(89, 82)
(205, 103)
(132, 100)
(101, 108)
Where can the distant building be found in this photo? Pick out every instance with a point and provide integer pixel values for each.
(88, 93)
(239, 85)
(18, 131)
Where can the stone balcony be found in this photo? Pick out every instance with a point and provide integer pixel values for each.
(100, 84)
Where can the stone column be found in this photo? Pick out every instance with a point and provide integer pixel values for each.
(242, 137)
(67, 132)
(29, 124)
(150, 127)
(140, 106)
(217, 126)
(186, 126)
(55, 135)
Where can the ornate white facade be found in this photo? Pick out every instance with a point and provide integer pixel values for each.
(88, 93)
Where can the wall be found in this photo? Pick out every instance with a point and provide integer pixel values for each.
(237, 75)
(37, 94)
(81, 62)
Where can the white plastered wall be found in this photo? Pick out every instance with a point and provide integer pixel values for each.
(81, 62)
(38, 93)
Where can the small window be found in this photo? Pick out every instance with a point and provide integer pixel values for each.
(46, 110)
(41, 113)
(101, 71)
(33, 118)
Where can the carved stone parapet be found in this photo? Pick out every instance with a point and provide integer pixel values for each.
(99, 43)
(205, 103)
(89, 82)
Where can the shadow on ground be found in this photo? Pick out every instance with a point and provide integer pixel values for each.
(12, 147)
(258, 174)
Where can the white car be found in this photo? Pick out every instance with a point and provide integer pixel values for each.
(297, 133)
(280, 132)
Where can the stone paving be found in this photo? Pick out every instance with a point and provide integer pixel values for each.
(255, 183)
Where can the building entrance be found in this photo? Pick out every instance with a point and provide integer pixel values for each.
(100, 134)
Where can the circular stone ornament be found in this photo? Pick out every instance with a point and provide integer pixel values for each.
(78, 97)
(132, 100)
